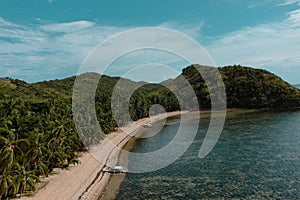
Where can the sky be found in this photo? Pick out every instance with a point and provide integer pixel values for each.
(49, 39)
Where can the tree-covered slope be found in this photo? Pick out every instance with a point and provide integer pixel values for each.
(247, 88)
(37, 131)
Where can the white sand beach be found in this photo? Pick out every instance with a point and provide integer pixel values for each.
(87, 180)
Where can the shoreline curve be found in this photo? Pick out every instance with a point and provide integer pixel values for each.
(87, 181)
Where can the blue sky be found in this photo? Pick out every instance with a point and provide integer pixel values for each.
(49, 39)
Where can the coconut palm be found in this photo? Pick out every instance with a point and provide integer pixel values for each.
(37, 153)
(9, 152)
(10, 146)
(8, 185)
(10, 149)
(25, 177)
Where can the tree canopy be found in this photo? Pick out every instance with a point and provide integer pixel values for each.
(37, 131)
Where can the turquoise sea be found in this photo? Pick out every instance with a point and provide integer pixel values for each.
(256, 157)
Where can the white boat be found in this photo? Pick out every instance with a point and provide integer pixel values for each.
(147, 125)
(116, 169)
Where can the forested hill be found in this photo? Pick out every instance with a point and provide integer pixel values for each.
(37, 131)
(246, 88)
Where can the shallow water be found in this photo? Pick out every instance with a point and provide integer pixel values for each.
(256, 157)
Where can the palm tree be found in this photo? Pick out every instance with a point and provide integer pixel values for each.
(25, 177)
(37, 152)
(56, 149)
(9, 151)
(8, 185)
(10, 107)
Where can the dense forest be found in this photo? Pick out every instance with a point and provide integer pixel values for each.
(246, 88)
(37, 131)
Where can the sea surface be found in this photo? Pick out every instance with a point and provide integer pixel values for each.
(256, 157)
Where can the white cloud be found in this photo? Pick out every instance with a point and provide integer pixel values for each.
(68, 27)
(294, 18)
(273, 2)
(274, 46)
(192, 29)
(50, 49)
(51, 1)
(153, 45)
(288, 2)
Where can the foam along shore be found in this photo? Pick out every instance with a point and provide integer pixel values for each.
(87, 180)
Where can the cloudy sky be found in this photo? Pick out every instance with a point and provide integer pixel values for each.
(49, 39)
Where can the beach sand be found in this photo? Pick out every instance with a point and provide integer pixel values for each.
(87, 180)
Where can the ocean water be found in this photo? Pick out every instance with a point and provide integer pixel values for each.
(256, 157)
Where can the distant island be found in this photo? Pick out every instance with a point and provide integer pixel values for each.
(37, 132)
(297, 85)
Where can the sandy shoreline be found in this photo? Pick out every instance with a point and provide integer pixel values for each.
(86, 180)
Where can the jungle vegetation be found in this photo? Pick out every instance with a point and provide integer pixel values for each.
(37, 131)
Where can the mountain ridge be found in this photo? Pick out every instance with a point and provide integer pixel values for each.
(245, 81)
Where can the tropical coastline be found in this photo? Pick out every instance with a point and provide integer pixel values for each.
(135, 100)
(87, 181)
(252, 141)
(112, 186)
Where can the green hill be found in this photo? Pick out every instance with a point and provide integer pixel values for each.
(37, 131)
(246, 88)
